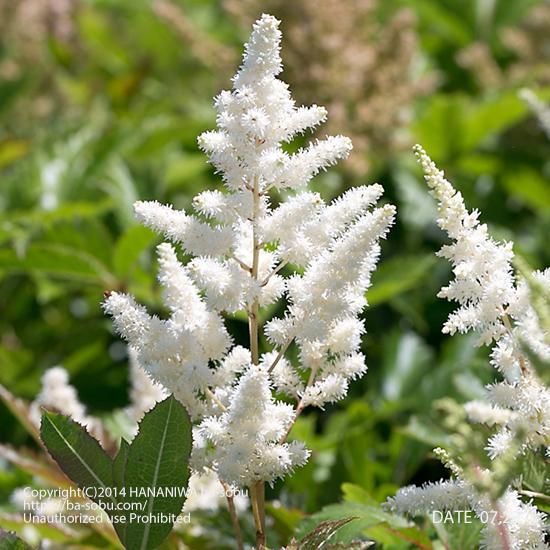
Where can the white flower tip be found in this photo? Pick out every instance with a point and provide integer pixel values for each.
(139, 207)
(423, 158)
(345, 144)
(112, 301)
(435, 178)
(55, 376)
(320, 111)
(418, 150)
(389, 211)
(527, 95)
(263, 47)
(266, 23)
(144, 210)
(377, 189)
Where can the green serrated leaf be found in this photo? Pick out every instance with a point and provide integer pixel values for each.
(355, 493)
(157, 460)
(119, 463)
(535, 472)
(322, 533)
(366, 516)
(78, 454)
(457, 536)
(400, 538)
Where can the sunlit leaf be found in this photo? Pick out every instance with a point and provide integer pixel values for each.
(157, 459)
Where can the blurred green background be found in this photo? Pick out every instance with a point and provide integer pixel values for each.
(101, 102)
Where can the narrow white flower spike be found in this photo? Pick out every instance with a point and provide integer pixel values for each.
(484, 282)
(240, 242)
(497, 307)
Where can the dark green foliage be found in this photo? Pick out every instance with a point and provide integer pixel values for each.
(78, 454)
(10, 541)
(156, 461)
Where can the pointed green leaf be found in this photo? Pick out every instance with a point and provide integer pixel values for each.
(58, 260)
(78, 454)
(322, 533)
(157, 462)
(365, 516)
(390, 537)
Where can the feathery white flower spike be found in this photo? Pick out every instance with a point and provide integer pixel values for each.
(493, 304)
(484, 282)
(524, 524)
(239, 243)
(498, 308)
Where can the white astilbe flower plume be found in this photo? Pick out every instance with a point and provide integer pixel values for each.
(484, 283)
(241, 240)
(523, 523)
(498, 307)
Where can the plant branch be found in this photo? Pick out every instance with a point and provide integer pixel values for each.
(215, 399)
(234, 516)
(534, 494)
(245, 266)
(257, 497)
(508, 325)
(301, 406)
(274, 272)
(280, 355)
(257, 490)
(254, 308)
